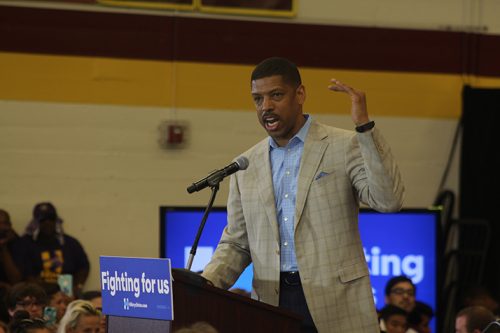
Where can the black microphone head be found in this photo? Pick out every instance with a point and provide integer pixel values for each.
(242, 162)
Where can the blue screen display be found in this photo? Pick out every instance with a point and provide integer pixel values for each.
(402, 243)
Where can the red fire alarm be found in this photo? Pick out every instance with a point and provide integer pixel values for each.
(175, 134)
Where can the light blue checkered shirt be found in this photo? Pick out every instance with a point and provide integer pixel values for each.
(285, 163)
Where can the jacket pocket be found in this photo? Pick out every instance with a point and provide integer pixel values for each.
(353, 272)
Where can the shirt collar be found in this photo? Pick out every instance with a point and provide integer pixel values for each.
(301, 134)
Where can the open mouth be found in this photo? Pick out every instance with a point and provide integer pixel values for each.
(271, 122)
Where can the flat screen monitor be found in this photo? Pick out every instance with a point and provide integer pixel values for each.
(402, 243)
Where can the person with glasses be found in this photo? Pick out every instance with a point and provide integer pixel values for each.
(26, 296)
(400, 291)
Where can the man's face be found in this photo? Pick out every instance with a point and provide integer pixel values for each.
(48, 227)
(461, 325)
(396, 324)
(279, 107)
(402, 295)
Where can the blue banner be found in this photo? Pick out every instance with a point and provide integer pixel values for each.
(402, 243)
(137, 287)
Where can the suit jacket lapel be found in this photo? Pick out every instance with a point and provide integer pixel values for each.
(264, 180)
(314, 148)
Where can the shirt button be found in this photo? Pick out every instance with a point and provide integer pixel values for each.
(287, 172)
(285, 244)
(286, 195)
(286, 219)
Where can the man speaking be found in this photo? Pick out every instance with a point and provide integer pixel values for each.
(293, 212)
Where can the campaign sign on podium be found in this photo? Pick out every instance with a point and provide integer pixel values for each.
(137, 287)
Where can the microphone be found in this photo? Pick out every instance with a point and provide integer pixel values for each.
(217, 176)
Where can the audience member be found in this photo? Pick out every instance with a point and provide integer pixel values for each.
(493, 327)
(4, 312)
(80, 317)
(480, 296)
(9, 273)
(3, 327)
(95, 297)
(420, 317)
(198, 327)
(400, 291)
(56, 299)
(47, 252)
(395, 319)
(22, 323)
(26, 296)
(473, 319)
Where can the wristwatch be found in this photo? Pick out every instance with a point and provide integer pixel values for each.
(365, 127)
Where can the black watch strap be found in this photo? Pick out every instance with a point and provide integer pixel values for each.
(365, 127)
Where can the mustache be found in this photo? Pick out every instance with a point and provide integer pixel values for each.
(268, 114)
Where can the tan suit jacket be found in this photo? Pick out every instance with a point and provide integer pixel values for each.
(339, 168)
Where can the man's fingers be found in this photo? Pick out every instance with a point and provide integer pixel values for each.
(339, 86)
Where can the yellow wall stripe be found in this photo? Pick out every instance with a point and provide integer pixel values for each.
(29, 77)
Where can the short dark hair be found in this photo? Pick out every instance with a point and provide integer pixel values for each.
(24, 289)
(477, 317)
(392, 310)
(278, 66)
(91, 294)
(51, 288)
(395, 280)
(420, 309)
(22, 323)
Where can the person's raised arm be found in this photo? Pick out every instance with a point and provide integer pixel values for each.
(359, 112)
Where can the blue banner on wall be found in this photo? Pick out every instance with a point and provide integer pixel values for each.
(402, 243)
(137, 287)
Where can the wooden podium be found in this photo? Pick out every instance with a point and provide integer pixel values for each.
(226, 311)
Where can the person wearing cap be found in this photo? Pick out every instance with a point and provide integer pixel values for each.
(46, 252)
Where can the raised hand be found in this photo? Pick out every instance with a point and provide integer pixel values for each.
(359, 112)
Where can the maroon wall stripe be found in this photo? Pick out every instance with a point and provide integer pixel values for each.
(65, 32)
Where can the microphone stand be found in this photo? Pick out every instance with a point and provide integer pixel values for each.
(195, 278)
(192, 253)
